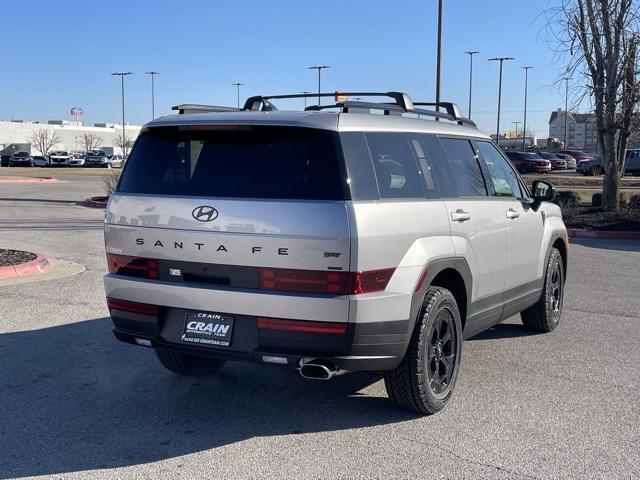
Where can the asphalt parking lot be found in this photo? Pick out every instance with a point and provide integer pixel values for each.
(75, 402)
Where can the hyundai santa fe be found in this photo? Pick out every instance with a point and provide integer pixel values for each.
(329, 240)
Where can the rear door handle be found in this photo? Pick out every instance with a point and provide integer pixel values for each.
(513, 213)
(460, 215)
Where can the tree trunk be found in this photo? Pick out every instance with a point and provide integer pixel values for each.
(610, 183)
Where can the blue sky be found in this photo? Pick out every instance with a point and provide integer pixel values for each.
(59, 54)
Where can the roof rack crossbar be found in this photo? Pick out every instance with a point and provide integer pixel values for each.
(261, 102)
(197, 108)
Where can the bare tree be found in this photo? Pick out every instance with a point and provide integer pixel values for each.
(600, 40)
(90, 141)
(124, 144)
(44, 140)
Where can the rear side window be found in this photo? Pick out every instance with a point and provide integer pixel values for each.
(465, 166)
(237, 161)
(395, 166)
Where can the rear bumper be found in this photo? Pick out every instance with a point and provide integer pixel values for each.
(377, 325)
(365, 347)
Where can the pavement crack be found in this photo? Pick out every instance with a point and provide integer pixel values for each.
(472, 461)
(593, 312)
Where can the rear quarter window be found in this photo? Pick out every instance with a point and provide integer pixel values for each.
(237, 162)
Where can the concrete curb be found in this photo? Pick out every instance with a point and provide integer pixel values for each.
(607, 234)
(90, 202)
(28, 180)
(35, 267)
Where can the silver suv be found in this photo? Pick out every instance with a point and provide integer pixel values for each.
(330, 240)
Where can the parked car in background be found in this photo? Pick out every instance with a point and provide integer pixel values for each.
(557, 163)
(115, 161)
(633, 162)
(21, 159)
(40, 161)
(96, 158)
(571, 162)
(527, 162)
(59, 158)
(4, 160)
(76, 158)
(579, 155)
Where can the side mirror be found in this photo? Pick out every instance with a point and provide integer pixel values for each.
(543, 191)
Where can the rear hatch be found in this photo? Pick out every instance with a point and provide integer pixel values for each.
(214, 203)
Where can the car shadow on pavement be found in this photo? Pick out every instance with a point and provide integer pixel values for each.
(504, 330)
(73, 398)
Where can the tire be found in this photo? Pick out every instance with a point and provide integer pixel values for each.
(544, 316)
(414, 385)
(185, 364)
(522, 169)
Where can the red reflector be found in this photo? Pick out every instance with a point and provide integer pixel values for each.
(302, 326)
(132, 266)
(132, 307)
(320, 281)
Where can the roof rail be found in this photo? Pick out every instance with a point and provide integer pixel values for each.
(198, 108)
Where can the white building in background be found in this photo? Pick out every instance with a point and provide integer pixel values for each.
(68, 132)
(581, 128)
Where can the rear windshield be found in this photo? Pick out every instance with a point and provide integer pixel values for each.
(528, 156)
(238, 161)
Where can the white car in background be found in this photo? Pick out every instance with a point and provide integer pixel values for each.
(59, 158)
(76, 158)
(115, 161)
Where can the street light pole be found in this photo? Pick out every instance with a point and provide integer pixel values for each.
(501, 60)
(319, 68)
(238, 85)
(305, 98)
(566, 112)
(153, 93)
(124, 137)
(471, 54)
(524, 127)
(439, 56)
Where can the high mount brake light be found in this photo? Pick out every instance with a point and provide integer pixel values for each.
(132, 266)
(319, 281)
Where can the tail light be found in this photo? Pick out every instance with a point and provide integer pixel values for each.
(317, 281)
(131, 307)
(302, 326)
(132, 266)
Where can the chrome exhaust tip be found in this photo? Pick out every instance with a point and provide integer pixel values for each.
(318, 369)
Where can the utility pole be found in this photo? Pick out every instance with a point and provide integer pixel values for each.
(471, 54)
(439, 56)
(501, 60)
(153, 93)
(305, 98)
(566, 112)
(238, 85)
(516, 124)
(124, 137)
(524, 127)
(319, 68)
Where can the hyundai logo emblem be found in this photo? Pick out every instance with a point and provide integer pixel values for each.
(204, 213)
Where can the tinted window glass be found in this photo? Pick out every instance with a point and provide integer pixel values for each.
(395, 166)
(437, 163)
(251, 162)
(362, 180)
(466, 169)
(504, 179)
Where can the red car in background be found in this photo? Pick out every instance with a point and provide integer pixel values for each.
(526, 162)
(579, 155)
